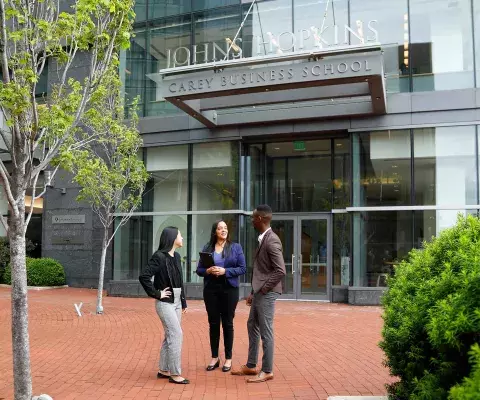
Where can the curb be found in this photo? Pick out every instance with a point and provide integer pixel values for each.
(38, 287)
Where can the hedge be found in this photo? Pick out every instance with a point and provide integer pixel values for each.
(40, 272)
(432, 315)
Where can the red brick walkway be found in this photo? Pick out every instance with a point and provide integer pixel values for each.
(321, 350)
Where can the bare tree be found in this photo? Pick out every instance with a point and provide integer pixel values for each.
(34, 33)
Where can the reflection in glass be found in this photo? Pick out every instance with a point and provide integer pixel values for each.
(285, 231)
(314, 251)
(381, 241)
(256, 171)
(341, 249)
(140, 10)
(215, 176)
(430, 223)
(441, 45)
(262, 32)
(206, 4)
(169, 46)
(214, 32)
(391, 25)
(299, 176)
(341, 171)
(165, 8)
(382, 171)
(201, 229)
(445, 161)
(133, 70)
(168, 187)
(476, 11)
(309, 18)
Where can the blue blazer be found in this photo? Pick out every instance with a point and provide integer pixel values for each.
(234, 266)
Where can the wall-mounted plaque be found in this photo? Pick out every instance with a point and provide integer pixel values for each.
(68, 219)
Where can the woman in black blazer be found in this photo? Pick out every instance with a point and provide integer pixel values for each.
(166, 270)
(220, 291)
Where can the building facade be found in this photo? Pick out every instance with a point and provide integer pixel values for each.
(356, 121)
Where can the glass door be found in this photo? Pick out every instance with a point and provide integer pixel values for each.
(307, 253)
(286, 228)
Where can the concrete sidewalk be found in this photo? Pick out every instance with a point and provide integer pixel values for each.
(322, 350)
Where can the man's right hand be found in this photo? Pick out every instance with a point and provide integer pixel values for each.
(249, 300)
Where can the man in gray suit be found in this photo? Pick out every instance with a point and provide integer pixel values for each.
(268, 274)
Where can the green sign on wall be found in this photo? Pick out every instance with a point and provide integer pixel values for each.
(299, 145)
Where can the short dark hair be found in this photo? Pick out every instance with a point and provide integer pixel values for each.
(264, 209)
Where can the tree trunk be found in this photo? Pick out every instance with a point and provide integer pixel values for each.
(20, 337)
(102, 272)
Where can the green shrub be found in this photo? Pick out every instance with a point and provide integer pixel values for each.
(432, 314)
(5, 253)
(41, 272)
(470, 388)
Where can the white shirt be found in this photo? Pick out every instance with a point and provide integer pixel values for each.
(260, 238)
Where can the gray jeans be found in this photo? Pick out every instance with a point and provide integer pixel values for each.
(171, 317)
(260, 325)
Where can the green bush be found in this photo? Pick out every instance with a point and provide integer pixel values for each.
(40, 272)
(470, 388)
(5, 253)
(432, 314)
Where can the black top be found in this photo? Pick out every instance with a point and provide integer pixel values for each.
(166, 271)
(176, 275)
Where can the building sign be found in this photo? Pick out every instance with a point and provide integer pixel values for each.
(270, 76)
(68, 219)
(312, 38)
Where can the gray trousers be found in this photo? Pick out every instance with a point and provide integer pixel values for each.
(260, 325)
(171, 317)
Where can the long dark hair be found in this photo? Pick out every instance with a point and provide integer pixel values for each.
(210, 247)
(167, 239)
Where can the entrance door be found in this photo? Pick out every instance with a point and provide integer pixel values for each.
(307, 250)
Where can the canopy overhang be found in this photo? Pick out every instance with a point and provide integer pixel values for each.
(345, 82)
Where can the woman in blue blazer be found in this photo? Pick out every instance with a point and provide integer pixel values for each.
(220, 291)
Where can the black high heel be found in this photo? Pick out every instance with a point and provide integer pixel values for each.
(226, 369)
(212, 367)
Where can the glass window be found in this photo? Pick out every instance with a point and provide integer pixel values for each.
(341, 179)
(381, 168)
(214, 32)
(430, 223)
(341, 249)
(165, 8)
(133, 69)
(268, 28)
(255, 176)
(441, 44)
(201, 229)
(320, 24)
(206, 4)
(140, 10)
(215, 176)
(389, 26)
(299, 176)
(381, 240)
(169, 46)
(476, 11)
(445, 165)
(168, 187)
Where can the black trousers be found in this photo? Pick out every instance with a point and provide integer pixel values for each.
(221, 300)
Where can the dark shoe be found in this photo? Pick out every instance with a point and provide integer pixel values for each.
(184, 382)
(160, 375)
(261, 377)
(212, 367)
(226, 369)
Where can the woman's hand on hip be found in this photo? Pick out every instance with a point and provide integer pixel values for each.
(165, 293)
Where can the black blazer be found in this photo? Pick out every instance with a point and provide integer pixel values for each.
(158, 268)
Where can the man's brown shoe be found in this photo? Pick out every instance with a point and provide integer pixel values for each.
(261, 377)
(244, 370)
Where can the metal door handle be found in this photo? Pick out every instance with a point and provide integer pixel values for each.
(293, 264)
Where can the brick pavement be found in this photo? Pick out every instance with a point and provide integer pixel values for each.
(321, 349)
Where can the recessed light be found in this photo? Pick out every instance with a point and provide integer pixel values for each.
(277, 148)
